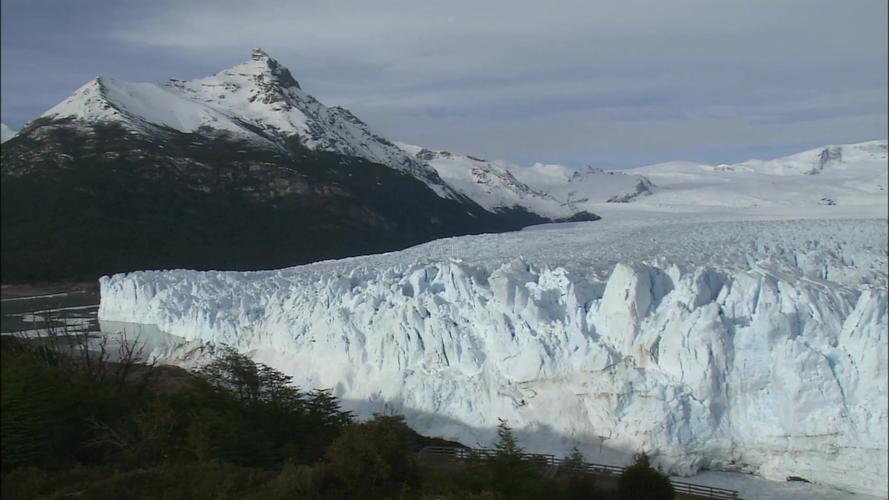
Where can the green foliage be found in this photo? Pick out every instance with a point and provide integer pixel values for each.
(235, 411)
(509, 472)
(575, 460)
(374, 459)
(168, 481)
(640, 481)
(507, 445)
(235, 429)
(579, 484)
(45, 412)
(297, 481)
(506, 474)
(258, 416)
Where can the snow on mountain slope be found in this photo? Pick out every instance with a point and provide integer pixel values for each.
(488, 183)
(258, 99)
(587, 187)
(850, 176)
(6, 133)
(553, 191)
(853, 176)
(264, 93)
(758, 346)
(815, 161)
(140, 105)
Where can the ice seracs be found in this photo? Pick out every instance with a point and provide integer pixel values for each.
(758, 346)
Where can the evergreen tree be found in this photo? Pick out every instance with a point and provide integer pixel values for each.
(509, 472)
(374, 459)
(507, 444)
(575, 460)
(641, 481)
(580, 483)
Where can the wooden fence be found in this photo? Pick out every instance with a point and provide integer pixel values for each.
(453, 453)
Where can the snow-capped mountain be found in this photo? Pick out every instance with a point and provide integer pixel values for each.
(825, 159)
(844, 177)
(553, 191)
(489, 183)
(264, 94)
(847, 177)
(585, 188)
(142, 106)
(242, 170)
(6, 133)
(257, 100)
(260, 101)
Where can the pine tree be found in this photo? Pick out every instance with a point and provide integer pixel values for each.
(575, 460)
(641, 481)
(507, 444)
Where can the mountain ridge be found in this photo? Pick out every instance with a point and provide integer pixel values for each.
(258, 99)
(239, 170)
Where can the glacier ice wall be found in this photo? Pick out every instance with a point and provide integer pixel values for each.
(768, 356)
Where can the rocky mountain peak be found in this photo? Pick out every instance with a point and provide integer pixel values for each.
(257, 54)
(258, 99)
(264, 70)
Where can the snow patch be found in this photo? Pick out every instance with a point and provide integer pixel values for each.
(6, 133)
(107, 99)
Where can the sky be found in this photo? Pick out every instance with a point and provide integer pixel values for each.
(612, 83)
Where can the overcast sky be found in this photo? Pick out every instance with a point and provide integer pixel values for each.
(607, 83)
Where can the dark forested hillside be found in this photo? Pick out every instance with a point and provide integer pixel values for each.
(81, 200)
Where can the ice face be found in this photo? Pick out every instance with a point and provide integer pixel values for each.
(756, 346)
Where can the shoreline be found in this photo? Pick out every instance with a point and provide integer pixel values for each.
(13, 291)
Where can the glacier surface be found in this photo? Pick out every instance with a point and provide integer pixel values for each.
(756, 346)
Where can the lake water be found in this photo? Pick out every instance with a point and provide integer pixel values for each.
(76, 313)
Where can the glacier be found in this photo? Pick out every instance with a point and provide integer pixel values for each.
(710, 342)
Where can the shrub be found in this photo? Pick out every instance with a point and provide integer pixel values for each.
(641, 481)
(179, 481)
(374, 459)
(296, 481)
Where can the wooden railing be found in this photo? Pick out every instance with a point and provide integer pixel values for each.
(454, 453)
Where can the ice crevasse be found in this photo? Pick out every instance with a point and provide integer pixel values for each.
(774, 362)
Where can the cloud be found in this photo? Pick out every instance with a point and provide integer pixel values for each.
(506, 79)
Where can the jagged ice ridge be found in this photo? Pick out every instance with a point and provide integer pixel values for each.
(758, 346)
